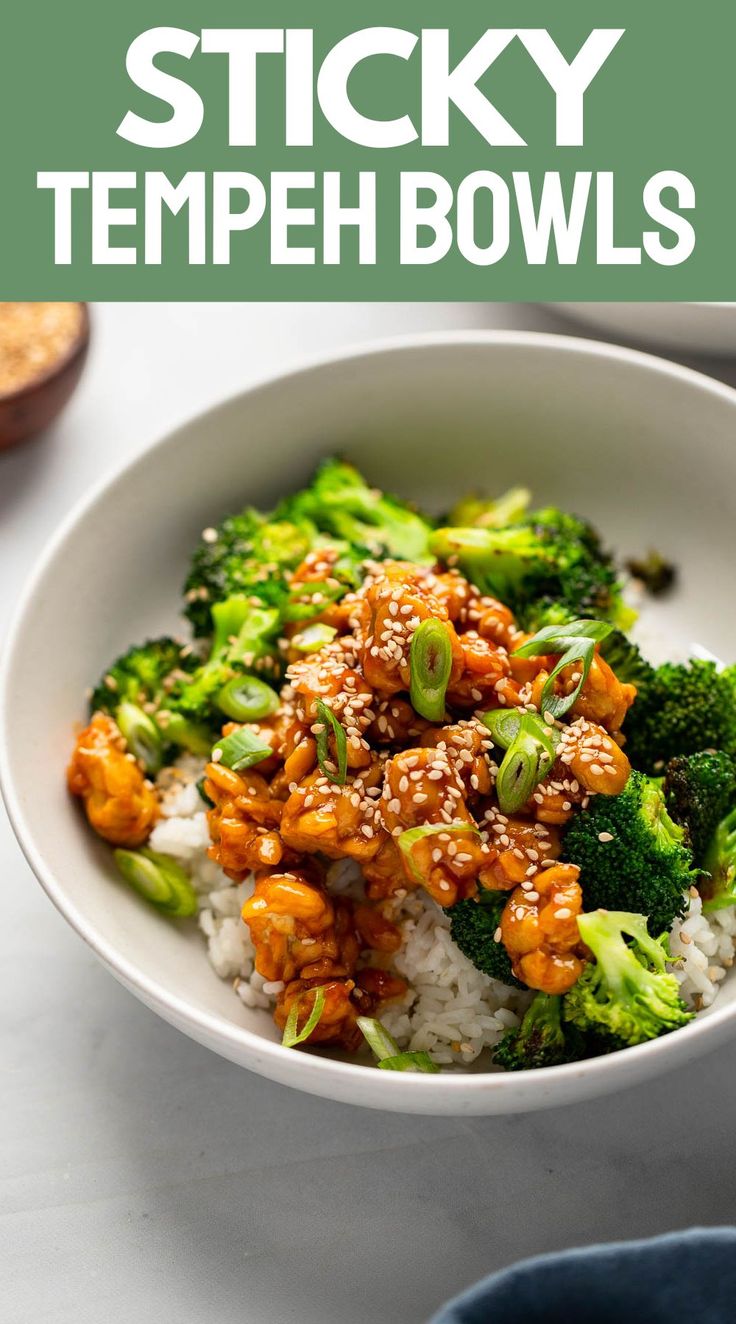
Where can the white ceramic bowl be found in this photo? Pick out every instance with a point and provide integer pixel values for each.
(694, 328)
(645, 448)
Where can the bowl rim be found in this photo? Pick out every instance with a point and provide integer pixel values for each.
(269, 1058)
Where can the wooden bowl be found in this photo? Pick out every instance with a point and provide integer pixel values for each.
(31, 408)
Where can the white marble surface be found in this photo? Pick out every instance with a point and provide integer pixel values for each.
(142, 1178)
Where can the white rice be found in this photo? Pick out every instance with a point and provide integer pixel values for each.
(451, 1009)
(704, 945)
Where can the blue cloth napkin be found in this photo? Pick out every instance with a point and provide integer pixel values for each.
(684, 1276)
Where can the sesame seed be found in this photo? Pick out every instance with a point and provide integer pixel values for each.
(216, 755)
(563, 913)
(605, 836)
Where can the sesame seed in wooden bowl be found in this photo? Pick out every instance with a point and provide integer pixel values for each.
(43, 347)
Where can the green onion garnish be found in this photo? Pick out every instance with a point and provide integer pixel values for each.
(504, 725)
(141, 735)
(301, 605)
(203, 794)
(241, 749)
(160, 880)
(247, 699)
(314, 637)
(430, 664)
(576, 642)
(292, 1036)
(387, 1051)
(408, 840)
(327, 767)
(526, 763)
(409, 1062)
(378, 1039)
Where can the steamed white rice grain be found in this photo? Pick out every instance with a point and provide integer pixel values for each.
(704, 946)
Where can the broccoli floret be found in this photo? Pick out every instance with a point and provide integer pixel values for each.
(141, 674)
(254, 555)
(630, 853)
(496, 514)
(625, 992)
(718, 887)
(681, 709)
(340, 502)
(473, 926)
(656, 574)
(625, 658)
(542, 1039)
(135, 690)
(699, 789)
(548, 567)
(247, 554)
(243, 639)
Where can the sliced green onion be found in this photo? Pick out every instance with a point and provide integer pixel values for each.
(301, 605)
(382, 1043)
(313, 638)
(159, 879)
(241, 749)
(526, 763)
(430, 663)
(409, 1062)
(504, 725)
(387, 1051)
(203, 794)
(247, 699)
(141, 735)
(576, 642)
(408, 840)
(326, 764)
(293, 1036)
